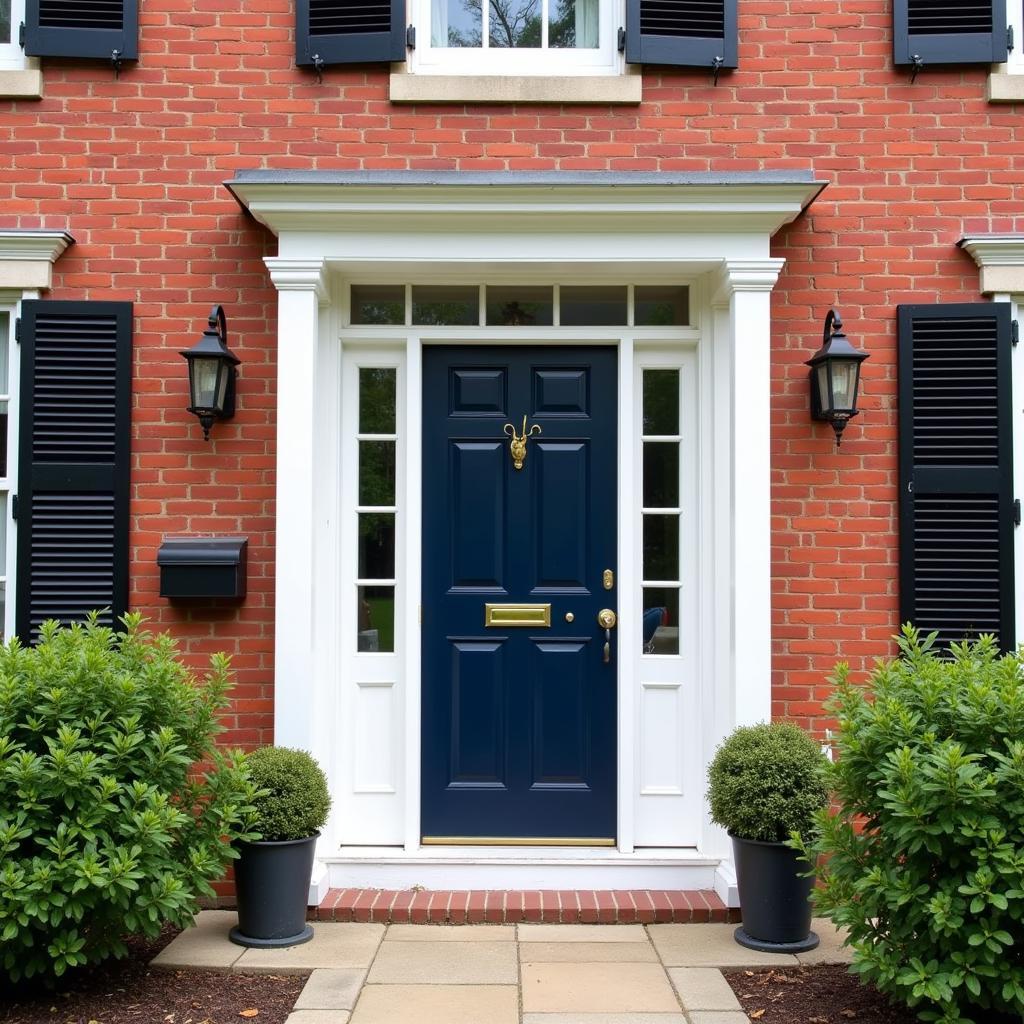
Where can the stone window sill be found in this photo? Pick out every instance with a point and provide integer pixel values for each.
(21, 85)
(413, 88)
(1006, 87)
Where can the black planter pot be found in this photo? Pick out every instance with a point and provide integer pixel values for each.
(774, 898)
(272, 886)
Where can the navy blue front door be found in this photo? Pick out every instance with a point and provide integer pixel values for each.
(519, 734)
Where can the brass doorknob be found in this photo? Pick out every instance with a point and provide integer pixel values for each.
(606, 618)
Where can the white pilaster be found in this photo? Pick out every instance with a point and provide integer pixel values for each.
(748, 284)
(301, 288)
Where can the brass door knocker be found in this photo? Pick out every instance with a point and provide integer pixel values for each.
(518, 443)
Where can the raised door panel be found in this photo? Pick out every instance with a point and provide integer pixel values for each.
(559, 677)
(478, 714)
(477, 520)
(561, 495)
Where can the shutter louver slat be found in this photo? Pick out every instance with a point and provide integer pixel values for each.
(685, 33)
(341, 32)
(949, 31)
(74, 459)
(956, 534)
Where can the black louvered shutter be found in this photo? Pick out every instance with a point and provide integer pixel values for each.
(74, 452)
(82, 28)
(687, 33)
(349, 31)
(949, 31)
(956, 471)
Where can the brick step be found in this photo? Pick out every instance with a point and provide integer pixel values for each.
(515, 906)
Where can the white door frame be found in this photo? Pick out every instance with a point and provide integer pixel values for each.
(716, 234)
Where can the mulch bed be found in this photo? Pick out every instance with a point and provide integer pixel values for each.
(826, 994)
(129, 992)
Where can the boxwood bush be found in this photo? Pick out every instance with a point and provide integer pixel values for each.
(107, 825)
(924, 861)
(766, 781)
(293, 800)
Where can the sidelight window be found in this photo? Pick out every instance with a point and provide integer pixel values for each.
(377, 508)
(661, 510)
(8, 450)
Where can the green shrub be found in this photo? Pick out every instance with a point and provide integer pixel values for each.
(925, 858)
(106, 827)
(766, 781)
(293, 800)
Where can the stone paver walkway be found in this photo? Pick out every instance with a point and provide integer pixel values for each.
(501, 974)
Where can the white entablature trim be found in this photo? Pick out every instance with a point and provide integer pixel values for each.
(1001, 260)
(27, 258)
(472, 203)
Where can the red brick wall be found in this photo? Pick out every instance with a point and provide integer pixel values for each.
(133, 168)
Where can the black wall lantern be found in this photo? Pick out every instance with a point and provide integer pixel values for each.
(211, 373)
(835, 377)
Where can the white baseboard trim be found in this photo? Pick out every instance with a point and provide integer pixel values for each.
(319, 884)
(725, 884)
(450, 869)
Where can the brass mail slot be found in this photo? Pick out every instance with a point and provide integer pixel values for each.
(517, 615)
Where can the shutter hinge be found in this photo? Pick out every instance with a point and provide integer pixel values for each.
(21, 35)
(115, 60)
(1014, 332)
(1009, 38)
(716, 68)
(410, 37)
(14, 506)
(318, 67)
(1016, 511)
(17, 330)
(917, 65)
(622, 39)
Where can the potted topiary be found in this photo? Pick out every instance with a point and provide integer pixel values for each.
(272, 875)
(766, 782)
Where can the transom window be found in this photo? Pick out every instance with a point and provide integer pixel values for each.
(523, 37)
(474, 305)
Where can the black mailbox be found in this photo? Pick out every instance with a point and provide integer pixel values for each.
(202, 567)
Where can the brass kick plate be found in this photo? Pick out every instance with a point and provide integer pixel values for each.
(517, 615)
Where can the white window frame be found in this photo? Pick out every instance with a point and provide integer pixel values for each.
(12, 57)
(9, 392)
(524, 63)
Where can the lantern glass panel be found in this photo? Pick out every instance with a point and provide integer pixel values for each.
(205, 385)
(844, 384)
(824, 395)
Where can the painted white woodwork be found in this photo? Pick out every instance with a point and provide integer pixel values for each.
(370, 747)
(1000, 259)
(667, 694)
(673, 709)
(304, 708)
(1017, 376)
(10, 397)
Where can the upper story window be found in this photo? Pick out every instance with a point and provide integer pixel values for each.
(517, 36)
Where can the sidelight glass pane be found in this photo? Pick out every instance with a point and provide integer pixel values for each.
(376, 628)
(376, 472)
(520, 306)
(661, 620)
(5, 32)
(456, 23)
(661, 305)
(376, 545)
(661, 402)
(445, 305)
(377, 400)
(574, 23)
(661, 547)
(661, 474)
(513, 23)
(585, 306)
(378, 303)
